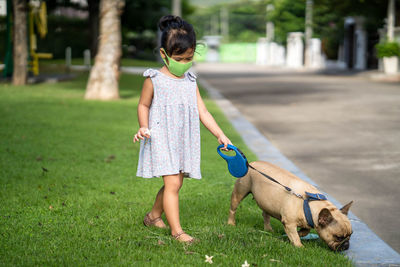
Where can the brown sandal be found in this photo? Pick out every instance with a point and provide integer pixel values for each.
(147, 221)
(176, 237)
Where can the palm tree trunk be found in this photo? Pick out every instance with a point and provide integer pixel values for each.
(20, 54)
(104, 76)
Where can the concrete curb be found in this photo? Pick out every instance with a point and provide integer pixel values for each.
(366, 248)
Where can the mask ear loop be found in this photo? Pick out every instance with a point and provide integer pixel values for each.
(166, 59)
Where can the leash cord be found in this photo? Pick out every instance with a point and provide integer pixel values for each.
(272, 179)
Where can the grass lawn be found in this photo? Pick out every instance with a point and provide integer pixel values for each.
(69, 195)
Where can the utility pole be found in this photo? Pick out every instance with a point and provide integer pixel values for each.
(176, 8)
(309, 10)
(390, 20)
(270, 25)
(225, 23)
(214, 24)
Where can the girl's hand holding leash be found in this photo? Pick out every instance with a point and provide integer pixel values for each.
(225, 141)
(141, 134)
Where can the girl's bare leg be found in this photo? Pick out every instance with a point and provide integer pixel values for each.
(172, 185)
(158, 209)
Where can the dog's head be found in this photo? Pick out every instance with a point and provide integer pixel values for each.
(334, 227)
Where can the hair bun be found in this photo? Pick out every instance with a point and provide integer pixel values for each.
(169, 21)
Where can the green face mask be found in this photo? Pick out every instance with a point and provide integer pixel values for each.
(175, 67)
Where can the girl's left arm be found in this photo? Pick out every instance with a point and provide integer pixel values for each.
(208, 121)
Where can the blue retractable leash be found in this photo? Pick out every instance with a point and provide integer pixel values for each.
(238, 166)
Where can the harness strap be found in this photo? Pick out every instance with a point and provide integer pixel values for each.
(306, 206)
(309, 197)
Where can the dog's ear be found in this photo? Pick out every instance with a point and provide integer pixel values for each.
(345, 208)
(325, 217)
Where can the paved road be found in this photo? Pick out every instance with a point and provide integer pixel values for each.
(343, 131)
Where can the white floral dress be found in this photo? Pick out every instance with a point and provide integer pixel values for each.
(174, 145)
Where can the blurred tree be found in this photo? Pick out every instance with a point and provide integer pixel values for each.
(104, 76)
(288, 16)
(329, 20)
(247, 19)
(20, 41)
(93, 6)
(139, 25)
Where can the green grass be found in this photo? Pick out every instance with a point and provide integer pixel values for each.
(69, 195)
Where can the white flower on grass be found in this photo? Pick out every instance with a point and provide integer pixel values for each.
(245, 264)
(209, 259)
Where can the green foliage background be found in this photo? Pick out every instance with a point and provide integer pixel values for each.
(247, 19)
(247, 22)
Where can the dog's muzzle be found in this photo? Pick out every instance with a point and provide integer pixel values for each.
(344, 245)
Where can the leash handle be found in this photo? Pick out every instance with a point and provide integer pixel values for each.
(226, 157)
(237, 165)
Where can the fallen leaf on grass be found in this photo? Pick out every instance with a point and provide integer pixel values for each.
(221, 236)
(109, 158)
(160, 242)
(50, 207)
(273, 260)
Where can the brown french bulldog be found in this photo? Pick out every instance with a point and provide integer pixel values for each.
(331, 224)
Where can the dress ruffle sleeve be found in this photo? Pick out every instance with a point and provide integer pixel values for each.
(150, 73)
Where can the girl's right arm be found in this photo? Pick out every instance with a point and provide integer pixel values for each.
(145, 100)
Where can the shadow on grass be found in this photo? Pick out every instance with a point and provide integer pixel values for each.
(130, 86)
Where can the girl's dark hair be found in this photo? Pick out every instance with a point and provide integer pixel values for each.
(177, 35)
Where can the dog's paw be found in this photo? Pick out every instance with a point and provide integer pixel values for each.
(268, 228)
(230, 222)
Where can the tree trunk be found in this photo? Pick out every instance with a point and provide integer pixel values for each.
(20, 40)
(93, 6)
(104, 76)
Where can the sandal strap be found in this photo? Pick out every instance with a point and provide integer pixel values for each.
(177, 235)
(155, 220)
(148, 221)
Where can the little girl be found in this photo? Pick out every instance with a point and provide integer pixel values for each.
(169, 111)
